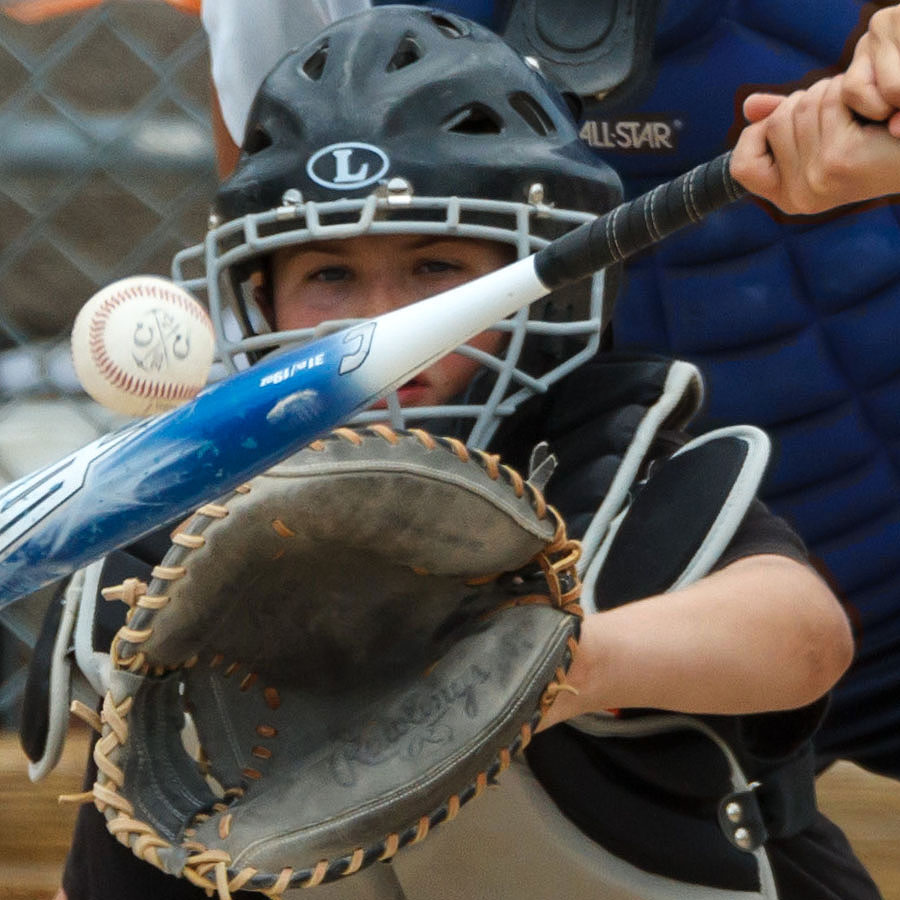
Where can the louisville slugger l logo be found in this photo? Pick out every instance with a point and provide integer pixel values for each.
(347, 166)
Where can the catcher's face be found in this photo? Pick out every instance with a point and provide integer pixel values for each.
(365, 276)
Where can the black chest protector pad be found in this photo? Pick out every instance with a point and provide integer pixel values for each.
(682, 518)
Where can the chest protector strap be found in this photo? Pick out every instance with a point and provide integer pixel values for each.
(71, 659)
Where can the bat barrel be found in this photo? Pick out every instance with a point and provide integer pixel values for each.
(638, 223)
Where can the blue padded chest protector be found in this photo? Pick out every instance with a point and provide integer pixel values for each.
(795, 326)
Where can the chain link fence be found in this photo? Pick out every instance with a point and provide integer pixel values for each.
(106, 170)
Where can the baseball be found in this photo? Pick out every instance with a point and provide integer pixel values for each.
(142, 345)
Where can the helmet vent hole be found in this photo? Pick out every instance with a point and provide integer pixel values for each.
(407, 53)
(447, 26)
(315, 63)
(257, 140)
(474, 119)
(534, 115)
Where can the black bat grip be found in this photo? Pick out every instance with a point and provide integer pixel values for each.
(638, 223)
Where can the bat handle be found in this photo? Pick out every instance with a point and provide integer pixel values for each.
(638, 223)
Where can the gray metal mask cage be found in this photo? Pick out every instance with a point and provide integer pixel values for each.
(539, 350)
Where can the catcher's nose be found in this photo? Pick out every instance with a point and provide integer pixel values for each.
(385, 293)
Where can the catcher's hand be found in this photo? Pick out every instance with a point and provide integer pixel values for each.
(361, 638)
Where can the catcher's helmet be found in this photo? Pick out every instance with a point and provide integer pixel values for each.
(373, 127)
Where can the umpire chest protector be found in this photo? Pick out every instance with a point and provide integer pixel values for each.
(803, 308)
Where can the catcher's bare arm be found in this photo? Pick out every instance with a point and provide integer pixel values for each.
(710, 647)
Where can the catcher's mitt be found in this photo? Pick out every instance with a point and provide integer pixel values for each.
(362, 637)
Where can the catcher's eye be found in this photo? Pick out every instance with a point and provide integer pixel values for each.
(330, 274)
(437, 266)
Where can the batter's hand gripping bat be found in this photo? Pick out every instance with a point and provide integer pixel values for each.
(128, 483)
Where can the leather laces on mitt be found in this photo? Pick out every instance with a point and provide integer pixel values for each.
(332, 660)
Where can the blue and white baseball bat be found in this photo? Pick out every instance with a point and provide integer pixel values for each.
(128, 483)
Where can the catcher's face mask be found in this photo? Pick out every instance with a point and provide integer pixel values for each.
(402, 121)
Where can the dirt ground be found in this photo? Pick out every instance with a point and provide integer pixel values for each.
(34, 828)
